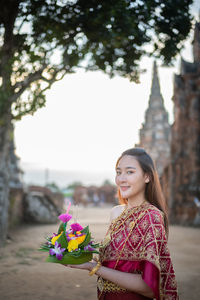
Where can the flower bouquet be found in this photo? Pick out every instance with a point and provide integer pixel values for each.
(70, 246)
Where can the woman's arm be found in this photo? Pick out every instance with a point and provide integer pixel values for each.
(129, 281)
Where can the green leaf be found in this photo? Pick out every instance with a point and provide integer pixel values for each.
(95, 245)
(87, 238)
(61, 228)
(94, 251)
(63, 240)
(85, 230)
(44, 249)
(75, 253)
(70, 259)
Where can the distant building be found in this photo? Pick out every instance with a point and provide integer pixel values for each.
(182, 176)
(155, 132)
(95, 196)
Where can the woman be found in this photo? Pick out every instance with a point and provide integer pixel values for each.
(134, 261)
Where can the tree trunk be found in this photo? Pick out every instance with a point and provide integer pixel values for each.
(5, 138)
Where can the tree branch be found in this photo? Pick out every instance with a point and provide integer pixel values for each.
(34, 77)
(26, 83)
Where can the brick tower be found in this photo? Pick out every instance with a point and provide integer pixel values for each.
(183, 173)
(155, 131)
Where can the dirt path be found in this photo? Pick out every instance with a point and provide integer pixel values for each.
(24, 275)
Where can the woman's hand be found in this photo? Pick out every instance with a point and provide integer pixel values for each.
(86, 266)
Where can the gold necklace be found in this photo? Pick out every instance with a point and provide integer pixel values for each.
(132, 209)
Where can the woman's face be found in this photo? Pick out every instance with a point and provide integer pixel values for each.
(130, 177)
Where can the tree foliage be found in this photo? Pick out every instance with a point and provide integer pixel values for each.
(75, 184)
(42, 40)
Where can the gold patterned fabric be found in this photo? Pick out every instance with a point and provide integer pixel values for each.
(136, 242)
(108, 286)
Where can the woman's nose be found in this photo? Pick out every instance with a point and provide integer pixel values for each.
(122, 178)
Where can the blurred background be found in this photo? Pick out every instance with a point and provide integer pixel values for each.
(72, 99)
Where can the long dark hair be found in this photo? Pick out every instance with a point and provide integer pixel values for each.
(153, 190)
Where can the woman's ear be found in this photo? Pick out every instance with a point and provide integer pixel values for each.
(146, 177)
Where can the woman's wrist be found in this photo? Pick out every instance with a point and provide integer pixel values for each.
(95, 268)
(91, 266)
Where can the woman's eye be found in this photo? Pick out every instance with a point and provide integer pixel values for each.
(129, 172)
(118, 173)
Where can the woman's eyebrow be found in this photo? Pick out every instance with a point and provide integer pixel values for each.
(131, 168)
(118, 168)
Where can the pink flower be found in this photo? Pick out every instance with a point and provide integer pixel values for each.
(76, 227)
(66, 217)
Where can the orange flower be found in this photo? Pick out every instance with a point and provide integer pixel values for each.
(80, 239)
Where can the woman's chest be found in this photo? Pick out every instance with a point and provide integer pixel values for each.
(123, 239)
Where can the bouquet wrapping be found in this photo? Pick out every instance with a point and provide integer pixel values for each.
(70, 246)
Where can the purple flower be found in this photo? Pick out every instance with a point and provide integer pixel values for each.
(54, 234)
(65, 217)
(76, 227)
(57, 251)
(88, 248)
(69, 238)
(69, 231)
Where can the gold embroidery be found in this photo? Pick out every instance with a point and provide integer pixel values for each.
(108, 286)
(106, 240)
(138, 235)
(132, 224)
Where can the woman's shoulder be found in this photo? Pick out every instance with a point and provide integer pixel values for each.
(116, 211)
(154, 214)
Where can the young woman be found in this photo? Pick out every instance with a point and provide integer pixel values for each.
(134, 261)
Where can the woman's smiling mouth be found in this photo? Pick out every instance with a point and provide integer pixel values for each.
(124, 188)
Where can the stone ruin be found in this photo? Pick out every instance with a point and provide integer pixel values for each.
(181, 178)
(176, 150)
(41, 205)
(155, 131)
(33, 204)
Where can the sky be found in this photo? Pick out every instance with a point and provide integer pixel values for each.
(88, 121)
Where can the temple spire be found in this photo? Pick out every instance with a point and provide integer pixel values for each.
(155, 132)
(155, 99)
(155, 86)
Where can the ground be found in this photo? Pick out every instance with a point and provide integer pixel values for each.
(25, 275)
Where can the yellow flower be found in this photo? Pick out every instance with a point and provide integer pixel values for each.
(54, 239)
(71, 235)
(72, 245)
(80, 239)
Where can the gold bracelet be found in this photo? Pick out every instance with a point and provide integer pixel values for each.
(95, 269)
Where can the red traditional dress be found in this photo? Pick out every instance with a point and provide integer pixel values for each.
(136, 243)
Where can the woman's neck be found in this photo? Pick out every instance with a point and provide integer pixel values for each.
(136, 201)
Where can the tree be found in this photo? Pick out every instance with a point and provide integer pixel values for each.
(74, 184)
(43, 40)
(107, 182)
(53, 187)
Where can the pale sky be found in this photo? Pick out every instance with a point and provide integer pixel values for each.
(89, 119)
